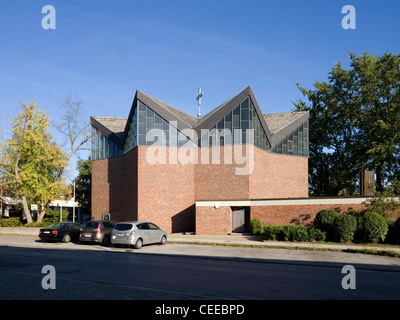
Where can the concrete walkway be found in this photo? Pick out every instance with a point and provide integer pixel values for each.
(249, 240)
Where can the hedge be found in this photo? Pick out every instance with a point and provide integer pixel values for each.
(10, 222)
(292, 233)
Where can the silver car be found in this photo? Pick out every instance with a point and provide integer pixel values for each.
(137, 234)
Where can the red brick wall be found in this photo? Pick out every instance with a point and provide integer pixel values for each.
(278, 176)
(166, 193)
(114, 187)
(210, 220)
(219, 181)
(296, 214)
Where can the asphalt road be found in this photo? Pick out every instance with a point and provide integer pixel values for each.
(139, 275)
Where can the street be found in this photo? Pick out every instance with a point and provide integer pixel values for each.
(95, 274)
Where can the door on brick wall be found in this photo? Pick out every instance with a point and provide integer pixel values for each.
(238, 220)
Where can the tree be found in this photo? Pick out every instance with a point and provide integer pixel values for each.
(83, 185)
(354, 124)
(73, 127)
(31, 161)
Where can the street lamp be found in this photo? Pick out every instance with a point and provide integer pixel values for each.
(73, 208)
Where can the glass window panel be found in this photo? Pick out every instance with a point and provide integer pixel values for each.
(228, 117)
(236, 122)
(142, 139)
(142, 116)
(106, 148)
(220, 124)
(245, 104)
(157, 119)
(165, 125)
(284, 148)
(150, 137)
(244, 114)
(142, 128)
(142, 106)
(204, 140)
(236, 111)
(149, 123)
(116, 153)
(149, 113)
(181, 139)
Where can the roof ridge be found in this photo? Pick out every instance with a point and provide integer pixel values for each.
(171, 109)
(207, 115)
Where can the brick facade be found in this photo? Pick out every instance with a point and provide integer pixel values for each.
(130, 187)
(269, 212)
(296, 214)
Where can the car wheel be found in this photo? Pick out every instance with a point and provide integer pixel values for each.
(105, 241)
(66, 238)
(163, 240)
(138, 244)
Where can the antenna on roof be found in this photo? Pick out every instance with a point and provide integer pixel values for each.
(199, 101)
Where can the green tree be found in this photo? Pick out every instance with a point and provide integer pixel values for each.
(83, 185)
(31, 161)
(354, 124)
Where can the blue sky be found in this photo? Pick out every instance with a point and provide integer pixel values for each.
(103, 51)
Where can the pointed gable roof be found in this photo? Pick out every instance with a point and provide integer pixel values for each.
(217, 114)
(276, 126)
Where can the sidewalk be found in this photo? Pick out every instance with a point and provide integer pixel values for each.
(235, 240)
(249, 240)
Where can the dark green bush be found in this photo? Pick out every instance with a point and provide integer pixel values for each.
(291, 233)
(299, 233)
(324, 221)
(271, 232)
(358, 234)
(374, 227)
(315, 234)
(10, 222)
(344, 227)
(392, 235)
(256, 227)
(396, 232)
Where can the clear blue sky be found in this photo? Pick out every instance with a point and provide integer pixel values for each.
(103, 51)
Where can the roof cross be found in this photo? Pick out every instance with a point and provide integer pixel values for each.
(199, 101)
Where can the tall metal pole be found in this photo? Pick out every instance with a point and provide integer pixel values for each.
(73, 209)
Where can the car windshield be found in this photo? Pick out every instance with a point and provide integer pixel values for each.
(90, 225)
(56, 225)
(123, 226)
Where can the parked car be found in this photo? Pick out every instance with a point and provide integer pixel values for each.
(137, 234)
(98, 231)
(61, 231)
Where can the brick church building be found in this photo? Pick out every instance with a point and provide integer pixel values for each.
(203, 175)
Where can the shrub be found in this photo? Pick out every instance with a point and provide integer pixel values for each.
(271, 232)
(10, 222)
(299, 233)
(37, 224)
(256, 226)
(396, 232)
(344, 227)
(358, 234)
(324, 221)
(392, 235)
(315, 234)
(374, 228)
